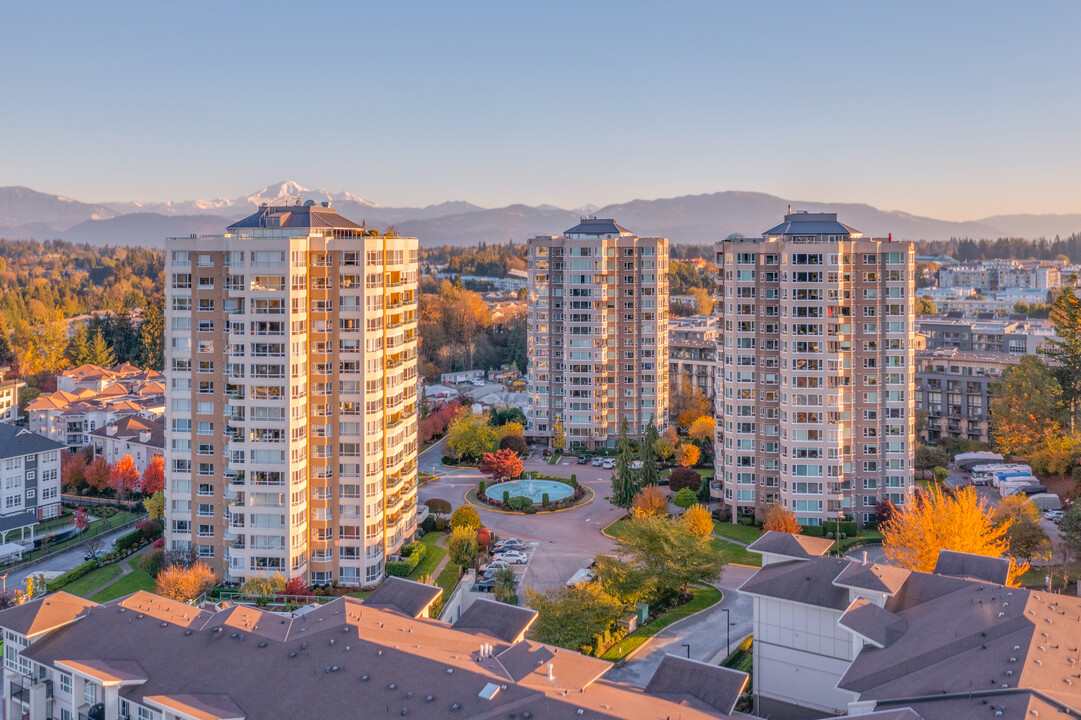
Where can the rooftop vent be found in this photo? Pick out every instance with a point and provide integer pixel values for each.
(489, 691)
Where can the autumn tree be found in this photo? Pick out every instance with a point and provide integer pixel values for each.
(438, 506)
(688, 455)
(664, 449)
(510, 429)
(684, 477)
(515, 443)
(569, 617)
(559, 440)
(649, 501)
(1025, 535)
(1026, 407)
(702, 429)
(153, 479)
(185, 584)
(470, 436)
(97, 474)
(934, 521)
(781, 519)
(884, 510)
(501, 465)
(703, 301)
(73, 471)
(925, 306)
(124, 476)
(81, 520)
(155, 505)
(465, 516)
(462, 547)
(697, 521)
(688, 404)
(663, 556)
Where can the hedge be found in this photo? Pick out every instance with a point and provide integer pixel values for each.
(413, 553)
(129, 540)
(71, 575)
(519, 502)
(814, 530)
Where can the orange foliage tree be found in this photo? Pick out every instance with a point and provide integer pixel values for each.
(934, 521)
(185, 584)
(73, 471)
(124, 476)
(501, 465)
(781, 519)
(688, 455)
(702, 428)
(697, 520)
(649, 502)
(97, 474)
(154, 476)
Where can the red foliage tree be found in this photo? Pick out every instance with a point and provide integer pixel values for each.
(684, 477)
(73, 471)
(501, 465)
(97, 474)
(81, 521)
(484, 536)
(154, 476)
(296, 586)
(436, 424)
(124, 476)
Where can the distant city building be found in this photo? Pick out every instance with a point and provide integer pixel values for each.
(836, 636)
(816, 408)
(953, 391)
(1001, 275)
(132, 435)
(9, 396)
(1015, 334)
(514, 281)
(29, 481)
(291, 347)
(598, 333)
(147, 657)
(692, 353)
(91, 397)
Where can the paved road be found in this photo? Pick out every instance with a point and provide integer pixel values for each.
(60, 562)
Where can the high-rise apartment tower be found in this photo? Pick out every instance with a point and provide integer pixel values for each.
(816, 408)
(292, 382)
(598, 333)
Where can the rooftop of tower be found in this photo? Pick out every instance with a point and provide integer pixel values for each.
(807, 223)
(598, 226)
(307, 215)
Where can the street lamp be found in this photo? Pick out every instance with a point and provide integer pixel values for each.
(728, 632)
(688, 649)
(4, 577)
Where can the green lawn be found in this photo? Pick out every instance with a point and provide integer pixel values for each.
(432, 555)
(732, 552)
(703, 598)
(132, 582)
(555, 459)
(92, 580)
(745, 534)
(706, 473)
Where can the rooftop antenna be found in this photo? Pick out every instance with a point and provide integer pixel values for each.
(789, 208)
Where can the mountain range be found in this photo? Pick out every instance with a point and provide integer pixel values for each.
(26, 213)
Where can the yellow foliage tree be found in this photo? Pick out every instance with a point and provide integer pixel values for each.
(702, 428)
(697, 520)
(185, 584)
(689, 404)
(934, 521)
(688, 455)
(510, 428)
(264, 585)
(781, 519)
(648, 502)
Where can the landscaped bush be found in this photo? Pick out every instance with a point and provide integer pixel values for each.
(71, 576)
(398, 568)
(429, 524)
(814, 530)
(448, 460)
(519, 502)
(129, 540)
(848, 527)
(414, 548)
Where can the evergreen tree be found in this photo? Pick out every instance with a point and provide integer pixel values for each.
(152, 336)
(1066, 349)
(99, 352)
(123, 338)
(650, 474)
(624, 483)
(7, 357)
(79, 347)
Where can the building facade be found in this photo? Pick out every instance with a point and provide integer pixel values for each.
(142, 439)
(953, 391)
(598, 333)
(1017, 334)
(291, 359)
(29, 482)
(816, 406)
(9, 396)
(692, 354)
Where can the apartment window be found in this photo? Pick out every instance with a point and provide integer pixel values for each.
(65, 683)
(90, 693)
(205, 428)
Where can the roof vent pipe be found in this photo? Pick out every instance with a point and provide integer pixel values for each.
(550, 672)
(864, 557)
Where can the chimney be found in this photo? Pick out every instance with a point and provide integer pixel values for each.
(144, 436)
(864, 557)
(550, 677)
(110, 429)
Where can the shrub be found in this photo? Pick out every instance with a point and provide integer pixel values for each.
(448, 460)
(412, 548)
(398, 568)
(465, 516)
(814, 530)
(544, 500)
(574, 479)
(685, 498)
(519, 502)
(441, 524)
(151, 563)
(506, 497)
(438, 506)
(71, 576)
(683, 477)
(516, 443)
(481, 487)
(129, 540)
(429, 524)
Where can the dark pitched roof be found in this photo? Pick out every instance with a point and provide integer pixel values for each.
(804, 223)
(885, 579)
(594, 226)
(1029, 705)
(874, 623)
(131, 426)
(802, 581)
(506, 622)
(790, 544)
(295, 216)
(16, 441)
(981, 567)
(38, 616)
(406, 596)
(716, 686)
(906, 713)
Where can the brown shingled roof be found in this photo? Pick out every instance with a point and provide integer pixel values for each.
(981, 567)
(716, 686)
(406, 596)
(44, 614)
(506, 622)
(885, 579)
(878, 625)
(790, 544)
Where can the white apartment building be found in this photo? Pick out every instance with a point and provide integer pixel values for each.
(815, 409)
(598, 333)
(29, 482)
(9, 396)
(292, 380)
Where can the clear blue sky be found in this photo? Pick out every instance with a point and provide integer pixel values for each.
(956, 110)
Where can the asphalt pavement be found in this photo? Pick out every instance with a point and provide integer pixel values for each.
(60, 562)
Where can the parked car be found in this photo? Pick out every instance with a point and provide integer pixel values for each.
(583, 459)
(509, 544)
(582, 576)
(515, 557)
(487, 584)
(1053, 515)
(598, 461)
(636, 465)
(494, 566)
(609, 465)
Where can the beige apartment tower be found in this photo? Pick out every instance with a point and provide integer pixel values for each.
(598, 333)
(816, 402)
(291, 396)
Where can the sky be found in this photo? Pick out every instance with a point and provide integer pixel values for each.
(952, 109)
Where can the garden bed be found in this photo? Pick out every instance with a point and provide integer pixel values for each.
(581, 496)
(701, 598)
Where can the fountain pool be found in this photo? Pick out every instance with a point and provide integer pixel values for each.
(532, 489)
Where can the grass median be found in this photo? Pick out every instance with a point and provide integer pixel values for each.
(134, 581)
(703, 598)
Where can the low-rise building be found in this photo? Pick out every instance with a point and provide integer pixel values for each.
(692, 353)
(132, 435)
(148, 657)
(1015, 334)
(836, 636)
(953, 391)
(29, 482)
(9, 396)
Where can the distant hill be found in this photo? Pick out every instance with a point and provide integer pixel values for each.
(26, 213)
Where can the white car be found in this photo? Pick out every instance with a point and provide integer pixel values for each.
(598, 461)
(512, 556)
(509, 544)
(609, 465)
(494, 566)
